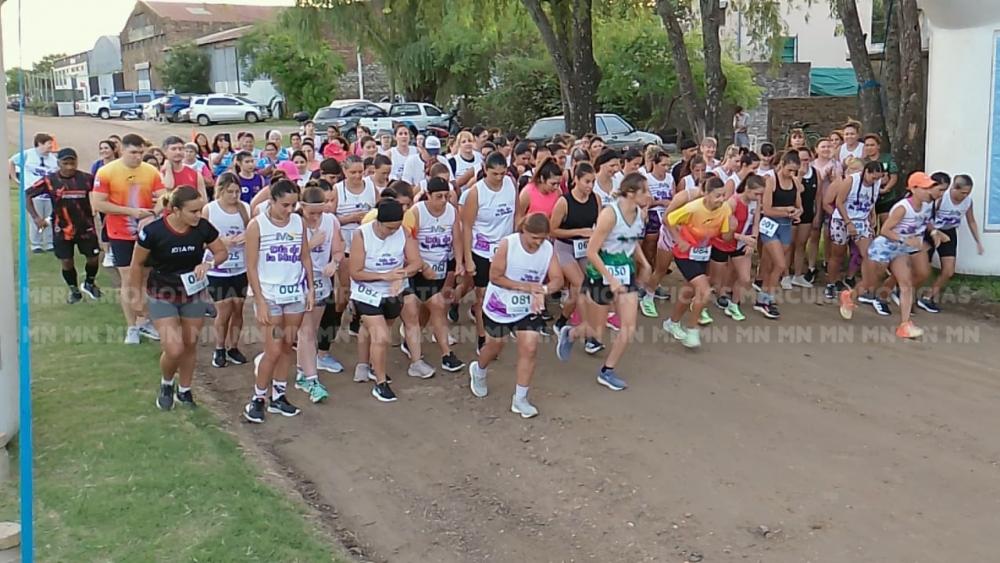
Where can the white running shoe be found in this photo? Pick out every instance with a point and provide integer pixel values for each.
(420, 369)
(477, 380)
(523, 407)
(786, 283)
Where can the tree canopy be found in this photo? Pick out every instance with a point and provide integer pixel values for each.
(186, 69)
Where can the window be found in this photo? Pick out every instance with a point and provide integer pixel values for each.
(404, 110)
(221, 102)
(143, 98)
(789, 50)
(616, 126)
(142, 79)
(328, 113)
(546, 128)
(879, 21)
(432, 111)
(247, 101)
(373, 111)
(601, 129)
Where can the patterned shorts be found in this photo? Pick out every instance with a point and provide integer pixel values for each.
(839, 234)
(884, 251)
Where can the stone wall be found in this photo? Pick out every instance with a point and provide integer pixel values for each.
(818, 115)
(789, 80)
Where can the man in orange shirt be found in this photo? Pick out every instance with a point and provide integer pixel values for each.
(125, 190)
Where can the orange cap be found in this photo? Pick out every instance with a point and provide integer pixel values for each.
(920, 180)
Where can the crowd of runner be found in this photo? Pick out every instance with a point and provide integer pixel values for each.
(568, 237)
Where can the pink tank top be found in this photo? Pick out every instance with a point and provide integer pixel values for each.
(539, 202)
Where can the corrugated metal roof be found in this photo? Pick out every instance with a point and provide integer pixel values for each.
(212, 13)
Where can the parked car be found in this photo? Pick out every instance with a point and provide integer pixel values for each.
(218, 108)
(167, 107)
(615, 131)
(14, 102)
(418, 116)
(95, 103)
(121, 103)
(346, 115)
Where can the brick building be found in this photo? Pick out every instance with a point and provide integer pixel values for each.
(154, 26)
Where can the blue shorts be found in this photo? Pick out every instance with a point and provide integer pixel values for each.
(884, 251)
(782, 234)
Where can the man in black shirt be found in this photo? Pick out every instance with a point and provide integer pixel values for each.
(72, 222)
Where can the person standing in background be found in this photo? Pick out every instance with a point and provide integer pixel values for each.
(36, 164)
(741, 121)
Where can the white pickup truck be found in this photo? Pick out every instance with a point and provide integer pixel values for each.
(415, 115)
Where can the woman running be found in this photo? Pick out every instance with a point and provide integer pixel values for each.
(950, 210)
(227, 283)
(852, 220)
(616, 265)
(729, 168)
(173, 247)
(828, 170)
(543, 191)
(661, 190)
(406, 164)
(732, 260)
(802, 231)
(382, 257)
(467, 163)
(573, 220)
(781, 208)
(514, 300)
(695, 176)
(607, 165)
(281, 276)
(353, 198)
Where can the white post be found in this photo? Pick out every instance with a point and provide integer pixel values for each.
(361, 74)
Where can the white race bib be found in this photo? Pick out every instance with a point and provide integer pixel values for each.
(518, 303)
(235, 261)
(321, 284)
(580, 248)
(367, 295)
(621, 273)
(768, 226)
(193, 285)
(287, 294)
(440, 269)
(700, 253)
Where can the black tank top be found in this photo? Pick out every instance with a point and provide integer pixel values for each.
(782, 197)
(579, 215)
(809, 192)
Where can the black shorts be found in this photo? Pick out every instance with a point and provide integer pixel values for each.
(946, 250)
(121, 251)
(221, 288)
(63, 249)
(601, 293)
(482, 277)
(390, 307)
(691, 269)
(425, 288)
(724, 256)
(531, 323)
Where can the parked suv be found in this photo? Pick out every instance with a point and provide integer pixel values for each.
(345, 115)
(615, 131)
(218, 108)
(122, 103)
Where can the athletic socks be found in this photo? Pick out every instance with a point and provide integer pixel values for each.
(312, 377)
(605, 368)
(259, 393)
(165, 381)
(70, 277)
(520, 391)
(182, 389)
(277, 389)
(91, 271)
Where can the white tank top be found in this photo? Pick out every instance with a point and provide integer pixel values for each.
(689, 184)
(435, 235)
(860, 200)
(495, 218)
(320, 255)
(381, 255)
(507, 306)
(228, 225)
(370, 184)
(605, 197)
(856, 153)
(948, 214)
(623, 237)
(660, 189)
(279, 266)
(913, 223)
(457, 165)
(349, 203)
(765, 173)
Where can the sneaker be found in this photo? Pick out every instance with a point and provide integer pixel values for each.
(37, 251)
(722, 302)
(543, 330)
(564, 344)
(363, 373)
(693, 338)
(847, 305)
(109, 260)
(254, 410)
(74, 296)
(830, 293)
(895, 296)
(354, 326)
(420, 369)
(593, 346)
(674, 329)
(881, 307)
(317, 392)
(613, 322)
(705, 319)
(404, 348)
(383, 392)
(810, 276)
(91, 290)
(850, 282)
(219, 358)
(840, 285)
(801, 281)
(769, 310)
(451, 363)
(662, 293)
(451, 339)
(757, 285)
(733, 312)
(546, 315)
(132, 335)
(256, 363)
(928, 305)
(234, 355)
(610, 379)
(165, 400)
(786, 283)
(648, 307)
(326, 362)
(453, 313)
(867, 299)
(149, 331)
(186, 398)
(574, 319)
(523, 407)
(477, 380)
(909, 330)
(283, 407)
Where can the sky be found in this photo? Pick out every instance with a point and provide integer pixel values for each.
(70, 26)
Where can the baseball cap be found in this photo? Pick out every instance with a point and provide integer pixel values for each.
(291, 171)
(432, 143)
(920, 180)
(66, 153)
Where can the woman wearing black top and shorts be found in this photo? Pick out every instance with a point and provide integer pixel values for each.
(173, 247)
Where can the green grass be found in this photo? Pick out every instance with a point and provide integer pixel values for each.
(117, 480)
(986, 288)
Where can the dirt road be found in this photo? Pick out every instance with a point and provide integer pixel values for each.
(805, 440)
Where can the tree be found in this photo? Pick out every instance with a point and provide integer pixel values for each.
(672, 12)
(712, 18)
(45, 64)
(305, 72)
(567, 32)
(869, 93)
(14, 80)
(186, 69)
(909, 105)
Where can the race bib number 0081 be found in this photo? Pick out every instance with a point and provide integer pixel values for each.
(518, 304)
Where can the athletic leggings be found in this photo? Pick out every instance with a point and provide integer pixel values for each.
(329, 323)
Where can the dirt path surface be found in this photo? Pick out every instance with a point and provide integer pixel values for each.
(808, 440)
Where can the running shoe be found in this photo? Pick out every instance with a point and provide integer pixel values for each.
(451, 363)
(722, 302)
(326, 362)
(453, 313)
(881, 307)
(404, 348)
(766, 309)
(477, 380)
(674, 329)
(693, 338)
(363, 373)
(786, 283)
(772, 311)
(851, 282)
(91, 290)
(564, 345)
(451, 339)
(317, 392)
(543, 330)
(895, 296)
(757, 285)
(74, 296)
(149, 331)
(234, 355)
(219, 358)
(383, 392)
(613, 322)
(830, 293)
(733, 312)
(256, 363)
(254, 410)
(909, 330)
(928, 305)
(662, 293)
(354, 326)
(648, 307)
(847, 305)
(37, 251)
(610, 379)
(132, 335)
(109, 260)
(283, 407)
(420, 369)
(165, 400)
(574, 319)
(523, 407)
(801, 281)
(705, 319)
(186, 398)
(810, 276)
(593, 346)
(546, 315)
(867, 298)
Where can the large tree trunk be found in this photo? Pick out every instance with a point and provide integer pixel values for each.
(712, 17)
(569, 39)
(890, 75)
(871, 105)
(908, 141)
(670, 12)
